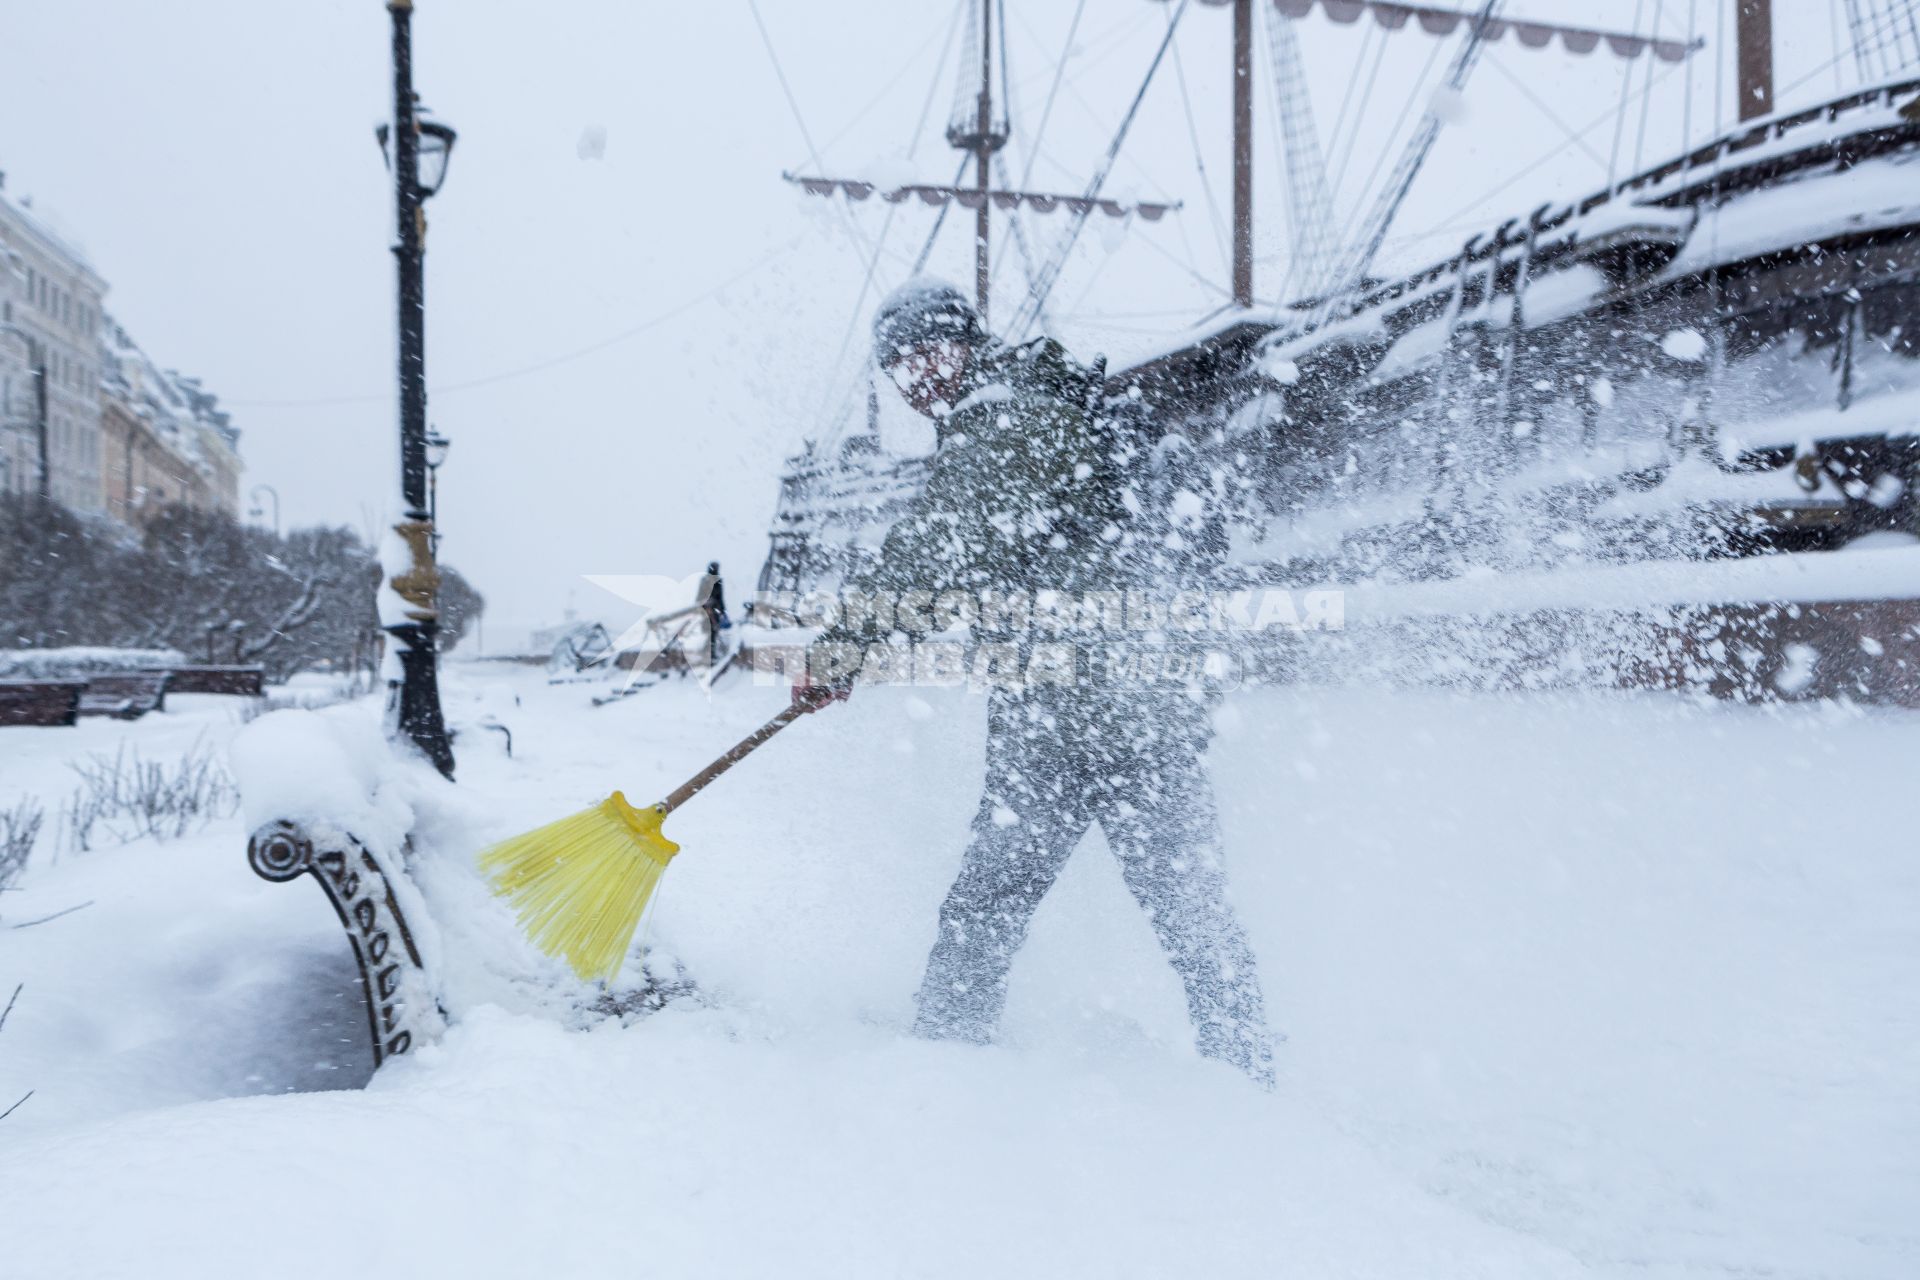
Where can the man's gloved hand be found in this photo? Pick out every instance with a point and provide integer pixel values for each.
(833, 659)
(812, 697)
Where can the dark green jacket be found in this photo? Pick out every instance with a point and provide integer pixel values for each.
(1023, 494)
(1028, 492)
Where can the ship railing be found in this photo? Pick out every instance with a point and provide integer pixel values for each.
(1512, 234)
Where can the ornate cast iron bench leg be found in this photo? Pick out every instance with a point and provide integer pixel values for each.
(401, 1009)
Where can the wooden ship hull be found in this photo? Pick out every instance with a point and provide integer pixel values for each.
(1719, 357)
(833, 512)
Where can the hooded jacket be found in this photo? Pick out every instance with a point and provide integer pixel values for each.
(1025, 491)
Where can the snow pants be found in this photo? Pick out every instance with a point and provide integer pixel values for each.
(1055, 766)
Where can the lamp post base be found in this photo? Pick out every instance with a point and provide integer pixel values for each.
(413, 701)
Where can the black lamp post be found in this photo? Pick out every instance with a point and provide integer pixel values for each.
(418, 157)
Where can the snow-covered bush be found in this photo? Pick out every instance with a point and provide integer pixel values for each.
(129, 798)
(3, 1026)
(19, 828)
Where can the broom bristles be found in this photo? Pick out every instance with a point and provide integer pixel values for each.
(580, 885)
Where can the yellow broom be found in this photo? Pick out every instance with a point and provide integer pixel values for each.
(580, 885)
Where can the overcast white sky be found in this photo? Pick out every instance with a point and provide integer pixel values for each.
(625, 345)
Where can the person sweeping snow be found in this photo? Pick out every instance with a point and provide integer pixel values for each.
(1025, 496)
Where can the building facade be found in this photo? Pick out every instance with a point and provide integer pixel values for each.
(50, 312)
(167, 442)
(124, 437)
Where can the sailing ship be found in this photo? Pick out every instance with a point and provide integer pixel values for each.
(1715, 358)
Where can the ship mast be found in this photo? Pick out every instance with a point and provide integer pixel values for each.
(1753, 29)
(1243, 153)
(974, 130)
(982, 140)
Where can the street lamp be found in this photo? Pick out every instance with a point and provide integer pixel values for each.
(436, 148)
(418, 157)
(434, 144)
(37, 362)
(259, 511)
(437, 446)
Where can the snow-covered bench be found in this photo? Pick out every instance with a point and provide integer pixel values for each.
(40, 702)
(125, 695)
(239, 681)
(324, 796)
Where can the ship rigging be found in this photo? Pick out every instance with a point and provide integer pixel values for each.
(1712, 356)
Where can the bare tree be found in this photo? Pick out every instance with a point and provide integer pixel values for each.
(190, 580)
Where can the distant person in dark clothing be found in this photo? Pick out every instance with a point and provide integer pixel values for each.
(711, 595)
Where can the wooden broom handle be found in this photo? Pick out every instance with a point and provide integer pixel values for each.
(735, 754)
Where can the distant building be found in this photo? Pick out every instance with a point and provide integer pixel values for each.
(167, 443)
(49, 293)
(125, 438)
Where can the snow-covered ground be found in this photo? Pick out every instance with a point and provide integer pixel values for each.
(1575, 984)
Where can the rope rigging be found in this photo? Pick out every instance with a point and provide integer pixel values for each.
(907, 66)
(1620, 112)
(962, 117)
(838, 421)
(1053, 93)
(1200, 162)
(1900, 28)
(1646, 95)
(1309, 202)
(1573, 136)
(1873, 43)
(1096, 116)
(1320, 264)
(1538, 162)
(1016, 225)
(1888, 20)
(1050, 272)
(1686, 92)
(933, 233)
(1381, 154)
(1335, 145)
(793, 105)
(1859, 43)
(1833, 24)
(1353, 269)
(1016, 204)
